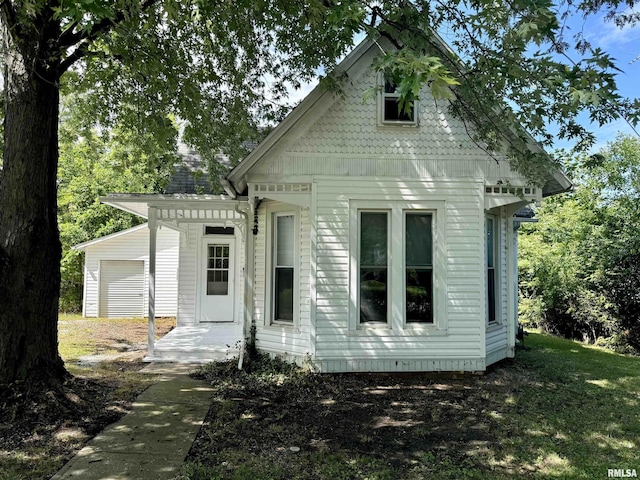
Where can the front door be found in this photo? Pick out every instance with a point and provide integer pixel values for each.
(217, 279)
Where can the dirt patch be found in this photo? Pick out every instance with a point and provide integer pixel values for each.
(43, 428)
(90, 341)
(382, 423)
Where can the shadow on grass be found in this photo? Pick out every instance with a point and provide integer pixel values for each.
(560, 410)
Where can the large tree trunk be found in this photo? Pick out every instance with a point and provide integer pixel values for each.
(29, 242)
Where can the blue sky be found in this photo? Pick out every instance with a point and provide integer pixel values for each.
(624, 46)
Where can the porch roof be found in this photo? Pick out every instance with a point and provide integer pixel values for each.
(139, 203)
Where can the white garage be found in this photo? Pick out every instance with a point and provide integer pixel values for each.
(121, 291)
(116, 273)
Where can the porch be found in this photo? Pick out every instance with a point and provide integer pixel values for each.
(198, 344)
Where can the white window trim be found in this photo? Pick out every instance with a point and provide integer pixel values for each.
(496, 269)
(382, 95)
(396, 319)
(271, 212)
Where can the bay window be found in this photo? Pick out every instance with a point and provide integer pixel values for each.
(398, 265)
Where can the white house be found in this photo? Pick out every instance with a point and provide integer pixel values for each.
(116, 274)
(352, 236)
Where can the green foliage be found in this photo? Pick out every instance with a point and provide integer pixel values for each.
(94, 163)
(227, 67)
(580, 265)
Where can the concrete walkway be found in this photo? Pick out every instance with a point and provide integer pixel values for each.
(151, 441)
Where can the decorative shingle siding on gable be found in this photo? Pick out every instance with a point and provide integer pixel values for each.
(347, 140)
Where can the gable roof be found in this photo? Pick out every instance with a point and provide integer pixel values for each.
(84, 245)
(236, 177)
(236, 182)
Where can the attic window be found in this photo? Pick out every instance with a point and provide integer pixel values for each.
(391, 113)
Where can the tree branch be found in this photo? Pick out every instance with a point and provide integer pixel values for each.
(83, 40)
(9, 16)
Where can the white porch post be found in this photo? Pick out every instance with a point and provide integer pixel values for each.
(153, 229)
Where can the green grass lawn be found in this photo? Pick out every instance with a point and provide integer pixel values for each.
(560, 410)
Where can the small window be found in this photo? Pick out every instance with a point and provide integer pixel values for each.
(283, 266)
(392, 112)
(418, 267)
(374, 266)
(491, 270)
(218, 230)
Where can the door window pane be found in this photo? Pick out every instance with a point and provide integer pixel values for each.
(419, 267)
(373, 266)
(217, 269)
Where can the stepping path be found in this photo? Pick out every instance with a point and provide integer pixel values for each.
(153, 439)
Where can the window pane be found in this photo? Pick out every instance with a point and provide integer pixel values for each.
(215, 285)
(490, 242)
(283, 294)
(418, 243)
(419, 295)
(373, 294)
(284, 241)
(373, 239)
(389, 86)
(373, 266)
(393, 113)
(491, 297)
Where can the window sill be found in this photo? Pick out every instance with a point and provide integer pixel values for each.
(494, 327)
(283, 326)
(407, 331)
(392, 124)
(429, 330)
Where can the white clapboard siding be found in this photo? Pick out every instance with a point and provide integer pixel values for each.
(133, 245)
(293, 343)
(340, 148)
(188, 274)
(121, 288)
(464, 223)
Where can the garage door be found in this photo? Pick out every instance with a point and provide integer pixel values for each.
(121, 288)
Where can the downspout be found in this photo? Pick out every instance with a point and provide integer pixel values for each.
(244, 271)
